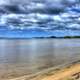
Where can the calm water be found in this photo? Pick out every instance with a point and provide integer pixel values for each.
(25, 57)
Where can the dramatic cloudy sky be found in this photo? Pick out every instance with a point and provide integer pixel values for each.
(45, 15)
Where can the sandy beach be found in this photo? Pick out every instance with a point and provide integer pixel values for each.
(71, 72)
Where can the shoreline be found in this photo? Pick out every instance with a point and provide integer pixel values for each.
(68, 73)
(50, 37)
(60, 73)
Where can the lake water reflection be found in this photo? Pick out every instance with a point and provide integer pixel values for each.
(25, 57)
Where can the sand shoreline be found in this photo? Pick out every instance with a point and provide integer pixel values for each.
(66, 72)
(69, 73)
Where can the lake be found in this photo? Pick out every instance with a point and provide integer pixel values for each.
(29, 56)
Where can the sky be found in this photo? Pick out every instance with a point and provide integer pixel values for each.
(46, 17)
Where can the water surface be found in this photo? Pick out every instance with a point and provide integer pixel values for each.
(26, 57)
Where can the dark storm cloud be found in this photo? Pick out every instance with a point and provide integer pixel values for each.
(42, 14)
(28, 6)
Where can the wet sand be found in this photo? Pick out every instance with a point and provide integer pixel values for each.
(69, 72)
